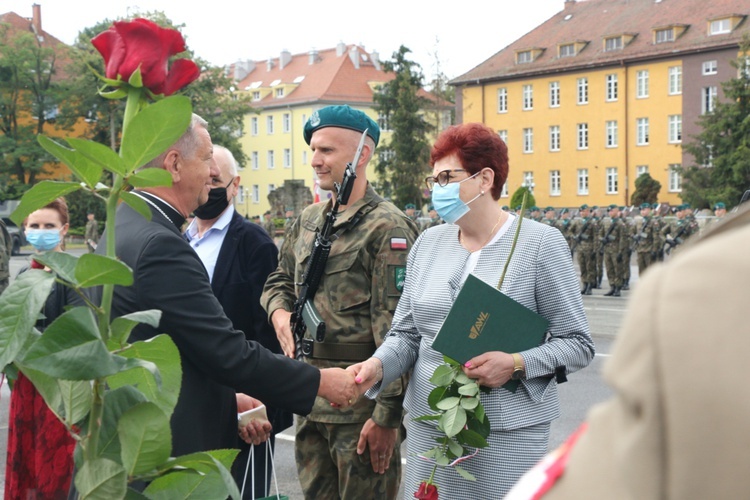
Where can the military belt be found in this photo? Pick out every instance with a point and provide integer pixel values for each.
(355, 351)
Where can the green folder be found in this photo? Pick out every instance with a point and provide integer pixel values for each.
(484, 319)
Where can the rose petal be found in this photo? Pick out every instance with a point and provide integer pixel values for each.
(182, 73)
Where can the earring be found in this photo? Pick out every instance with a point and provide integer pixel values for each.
(482, 192)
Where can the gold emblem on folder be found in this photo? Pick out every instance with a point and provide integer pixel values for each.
(476, 330)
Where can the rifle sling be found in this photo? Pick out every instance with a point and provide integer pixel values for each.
(336, 351)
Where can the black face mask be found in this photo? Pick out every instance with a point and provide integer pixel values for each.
(216, 204)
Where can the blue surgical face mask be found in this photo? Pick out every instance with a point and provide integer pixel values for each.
(447, 202)
(43, 239)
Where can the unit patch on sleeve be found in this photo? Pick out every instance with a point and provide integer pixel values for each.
(398, 243)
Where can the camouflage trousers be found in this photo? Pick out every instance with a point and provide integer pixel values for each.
(587, 263)
(614, 268)
(329, 467)
(625, 270)
(644, 260)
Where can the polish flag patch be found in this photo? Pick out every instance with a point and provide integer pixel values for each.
(398, 243)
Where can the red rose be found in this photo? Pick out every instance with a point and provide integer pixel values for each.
(128, 45)
(426, 491)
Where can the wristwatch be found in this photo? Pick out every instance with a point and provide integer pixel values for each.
(519, 371)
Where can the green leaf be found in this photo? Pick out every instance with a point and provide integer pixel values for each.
(136, 204)
(120, 328)
(463, 379)
(145, 438)
(76, 397)
(94, 270)
(62, 263)
(435, 396)
(453, 421)
(81, 165)
(479, 413)
(19, 308)
(114, 95)
(451, 361)
(116, 402)
(469, 403)
(464, 473)
(471, 438)
(161, 351)
(481, 427)
(443, 461)
(101, 155)
(429, 453)
(207, 477)
(71, 349)
(154, 129)
(150, 177)
(448, 403)
(443, 376)
(40, 195)
(101, 479)
(425, 418)
(136, 80)
(470, 389)
(455, 448)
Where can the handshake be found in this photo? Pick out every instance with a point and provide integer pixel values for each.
(342, 388)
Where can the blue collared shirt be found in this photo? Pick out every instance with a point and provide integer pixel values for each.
(208, 246)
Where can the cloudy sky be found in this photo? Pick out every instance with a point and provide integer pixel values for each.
(461, 35)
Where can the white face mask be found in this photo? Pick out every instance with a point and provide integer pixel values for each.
(448, 203)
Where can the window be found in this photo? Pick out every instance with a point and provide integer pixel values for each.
(583, 90)
(528, 97)
(256, 193)
(503, 135)
(675, 178)
(384, 122)
(524, 57)
(271, 158)
(254, 125)
(502, 100)
(554, 138)
(271, 188)
(583, 181)
(583, 136)
(269, 124)
(554, 94)
(528, 181)
(665, 35)
(504, 191)
(528, 140)
(387, 155)
(286, 123)
(254, 160)
(710, 67)
(708, 99)
(611, 87)
(304, 157)
(640, 170)
(614, 43)
(304, 119)
(256, 96)
(280, 92)
(675, 128)
(287, 158)
(611, 180)
(641, 138)
(675, 80)
(554, 183)
(720, 26)
(611, 132)
(567, 50)
(641, 84)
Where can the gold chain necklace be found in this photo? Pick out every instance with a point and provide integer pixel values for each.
(492, 233)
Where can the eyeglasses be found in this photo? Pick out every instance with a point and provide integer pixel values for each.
(441, 179)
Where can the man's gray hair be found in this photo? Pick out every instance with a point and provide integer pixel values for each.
(232, 161)
(185, 145)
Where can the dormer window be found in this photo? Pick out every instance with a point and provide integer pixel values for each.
(528, 55)
(567, 50)
(613, 43)
(256, 96)
(664, 36)
(723, 25)
(280, 92)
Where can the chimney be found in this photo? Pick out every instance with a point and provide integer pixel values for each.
(242, 69)
(375, 58)
(285, 58)
(569, 3)
(340, 48)
(36, 19)
(269, 64)
(313, 57)
(354, 56)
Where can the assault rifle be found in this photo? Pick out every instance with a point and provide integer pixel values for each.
(677, 240)
(304, 313)
(581, 236)
(607, 238)
(638, 236)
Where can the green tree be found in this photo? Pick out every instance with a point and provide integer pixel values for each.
(404, 158)
(517, 198)
(722, 149)
(646, 190)
(28, 101)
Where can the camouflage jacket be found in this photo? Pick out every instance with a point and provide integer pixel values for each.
(616, 240)
(584, 230)
(647, 235)
(358, 292)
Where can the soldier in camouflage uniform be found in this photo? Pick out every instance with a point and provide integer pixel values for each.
(564, 225)
(597, 217)
(6, 247)
(584, 232)
(435, 219)
(354, 452)
(549, 216)
(628, 248)
(679, 230)
(614, 240)
(269, 225)
(647, 239)
(660, 223)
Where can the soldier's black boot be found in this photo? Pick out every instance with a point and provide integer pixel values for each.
(625, 287)
(589, 286)
(610, 293)
(585, 287)
(617, 292)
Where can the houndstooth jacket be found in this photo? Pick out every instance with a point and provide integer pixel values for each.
(540, 276)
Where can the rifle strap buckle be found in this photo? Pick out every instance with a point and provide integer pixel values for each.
(355, 351)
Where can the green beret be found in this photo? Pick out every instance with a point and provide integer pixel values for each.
(645, 205)
(342, 117)
(564, 211)
(720, 204)
(410, 205)
(518, 207)
(613, 206)
(549, 209)
(584, 207)
(430, 208)
(622, 208)
(506, 208)
(654, 205)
